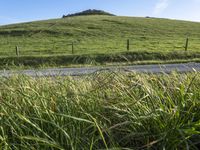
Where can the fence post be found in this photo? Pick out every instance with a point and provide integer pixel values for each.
(128, 45)
(17, 50)
(186, 44)
(72, 47)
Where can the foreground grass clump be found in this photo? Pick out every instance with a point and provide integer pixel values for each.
(101, 111)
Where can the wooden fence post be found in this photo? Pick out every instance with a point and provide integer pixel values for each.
(17, 50)
(186, 44)
(128, 45)
(72, 47)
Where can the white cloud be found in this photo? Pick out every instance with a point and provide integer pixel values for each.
(160, 6)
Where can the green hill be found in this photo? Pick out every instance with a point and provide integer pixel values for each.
(98, 34)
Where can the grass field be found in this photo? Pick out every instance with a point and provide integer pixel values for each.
(116, 111)
(101, 111)
(97, 36)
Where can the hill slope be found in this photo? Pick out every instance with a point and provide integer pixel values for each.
(97, 34)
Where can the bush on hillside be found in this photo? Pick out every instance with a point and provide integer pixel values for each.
(89, 12)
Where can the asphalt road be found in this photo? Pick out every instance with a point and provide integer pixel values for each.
(165, 68)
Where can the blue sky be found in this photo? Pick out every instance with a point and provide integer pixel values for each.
(14, 11)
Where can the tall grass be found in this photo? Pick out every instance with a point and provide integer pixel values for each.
(101, 111)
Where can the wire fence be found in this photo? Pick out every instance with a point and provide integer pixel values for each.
(27, 46)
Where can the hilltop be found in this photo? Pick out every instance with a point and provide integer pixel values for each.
(89, 12)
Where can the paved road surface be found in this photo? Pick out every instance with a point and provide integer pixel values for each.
(167, 68)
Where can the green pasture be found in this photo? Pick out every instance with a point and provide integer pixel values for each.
(98, 35)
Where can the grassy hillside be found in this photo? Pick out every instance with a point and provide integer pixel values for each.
(97, 34)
